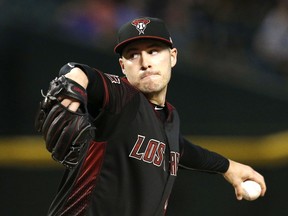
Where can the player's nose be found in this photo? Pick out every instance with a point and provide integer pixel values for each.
(145, 61)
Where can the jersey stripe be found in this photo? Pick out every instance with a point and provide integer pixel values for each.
(80, 194)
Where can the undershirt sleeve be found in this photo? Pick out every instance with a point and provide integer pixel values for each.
(194, 157)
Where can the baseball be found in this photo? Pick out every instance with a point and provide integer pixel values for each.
(252, 190)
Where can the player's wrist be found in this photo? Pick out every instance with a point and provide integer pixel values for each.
(77, 75)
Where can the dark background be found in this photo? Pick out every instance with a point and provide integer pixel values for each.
(221, 86)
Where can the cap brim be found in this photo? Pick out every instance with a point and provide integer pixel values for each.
(119, 47)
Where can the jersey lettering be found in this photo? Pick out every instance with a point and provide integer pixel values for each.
(154, 152)
(150, 151)
(159, 157)
(135, 151)
(174, 161)
(113, 78)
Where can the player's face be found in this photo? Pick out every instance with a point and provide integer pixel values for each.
(147, 65)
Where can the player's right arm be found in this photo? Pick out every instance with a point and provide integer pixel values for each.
(238, 173)
(195, 157)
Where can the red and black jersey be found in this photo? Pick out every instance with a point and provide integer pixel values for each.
(130, 167)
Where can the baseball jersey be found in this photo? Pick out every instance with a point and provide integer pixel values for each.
(130, 166)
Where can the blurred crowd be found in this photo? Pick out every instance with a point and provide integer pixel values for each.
(254, 29)
(194, 24)
(271, 39)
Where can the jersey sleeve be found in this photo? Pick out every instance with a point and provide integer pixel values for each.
(194, 157)
(104, 91)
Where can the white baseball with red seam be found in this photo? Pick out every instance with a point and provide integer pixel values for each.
(252, 190)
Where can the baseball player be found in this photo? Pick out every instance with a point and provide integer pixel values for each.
(118, 137)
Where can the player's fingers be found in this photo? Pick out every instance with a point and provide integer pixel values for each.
(263, 190)
(74, 106)
(66, 102)
(257, 177)
(71, 105)
(260, 180)
(239, 191)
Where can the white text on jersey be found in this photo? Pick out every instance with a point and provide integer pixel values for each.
(154, 153)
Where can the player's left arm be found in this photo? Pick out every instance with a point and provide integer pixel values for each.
(77, 75)
(238, 173)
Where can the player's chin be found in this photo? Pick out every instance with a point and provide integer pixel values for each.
(150, 89)
(152, 86)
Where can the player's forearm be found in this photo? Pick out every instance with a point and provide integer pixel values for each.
(196, 157)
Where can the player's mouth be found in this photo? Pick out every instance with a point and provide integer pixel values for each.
(148, 74)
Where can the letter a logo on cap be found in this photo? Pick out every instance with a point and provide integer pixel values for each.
(140, 24)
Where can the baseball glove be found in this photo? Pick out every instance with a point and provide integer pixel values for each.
(65, 132)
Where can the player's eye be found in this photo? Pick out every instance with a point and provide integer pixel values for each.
(153, 51)
(133, 55)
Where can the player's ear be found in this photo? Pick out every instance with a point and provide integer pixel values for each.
(173, 55)
(122, 65)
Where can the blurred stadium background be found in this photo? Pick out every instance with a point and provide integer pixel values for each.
(230, 87)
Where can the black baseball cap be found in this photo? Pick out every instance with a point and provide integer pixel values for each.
(142, 28)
